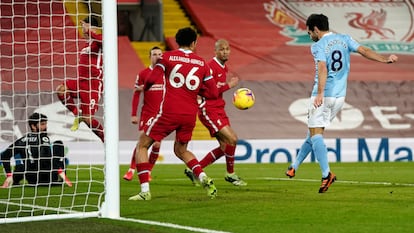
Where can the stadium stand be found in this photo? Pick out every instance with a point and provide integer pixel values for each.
(270, 53)
(20, 45)
(174, 17)
(51, 46)
(129, 64)
(260, 48)
(270, 45)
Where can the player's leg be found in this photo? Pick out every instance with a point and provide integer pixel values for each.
(132, 166)
(328, 177)
(18, 173)
(211, 157)
(316, 118)
(94, 124)
(304, 151)
(89, 106)
(67, 93)
(317, 122)
(228, 141)
(320, 150)
(180, 150)
(155, 151)
(208, 119)
(152, 159)
(183, 135)
(143, 168)
(31, 173)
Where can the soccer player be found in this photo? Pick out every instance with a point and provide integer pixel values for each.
(88, 86)
(213, 116)
(151, 105)
(37, 160)
(331, 54)
(186, 76)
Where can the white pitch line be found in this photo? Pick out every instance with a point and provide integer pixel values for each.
(343, 181)
(171, 225)
(312, 180)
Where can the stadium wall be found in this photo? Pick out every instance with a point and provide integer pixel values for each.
(271, 56)
(260, 151)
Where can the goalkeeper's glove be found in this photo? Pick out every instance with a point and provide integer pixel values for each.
(9, 180)
(64, 177)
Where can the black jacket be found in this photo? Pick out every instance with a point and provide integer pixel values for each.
(36, 158)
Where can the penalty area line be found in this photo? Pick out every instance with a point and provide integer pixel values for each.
(171, 225)
(343, 181)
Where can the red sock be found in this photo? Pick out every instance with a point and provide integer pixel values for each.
(69, 103)
(194, 165)
(143, 170)
(154, 156)
(133, 165)
(211, 157)
(97, 129)
(229, 152)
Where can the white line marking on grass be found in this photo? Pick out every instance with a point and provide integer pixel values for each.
(39, 207)
(343, 181)
(312, 180)
(171, 225)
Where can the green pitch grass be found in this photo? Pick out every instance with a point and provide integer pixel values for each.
(367, 197)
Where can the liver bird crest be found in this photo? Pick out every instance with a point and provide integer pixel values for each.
(371, 24)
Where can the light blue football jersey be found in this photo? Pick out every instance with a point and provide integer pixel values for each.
(335, 50)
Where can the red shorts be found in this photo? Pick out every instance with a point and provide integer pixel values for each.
(213, 119)
(162, 126)
(89, 92)
(145, 119)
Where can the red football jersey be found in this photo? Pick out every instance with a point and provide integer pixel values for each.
(185, 74)
(152, 96)
(90, 58)
(219, 73)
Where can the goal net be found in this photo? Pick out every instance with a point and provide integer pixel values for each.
(41, 42)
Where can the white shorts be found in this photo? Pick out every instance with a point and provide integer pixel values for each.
(323, 115)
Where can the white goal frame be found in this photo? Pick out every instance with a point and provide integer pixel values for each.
(111, 206)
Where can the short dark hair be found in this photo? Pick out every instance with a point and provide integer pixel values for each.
(36, 118)
(154, 48)
(318, 20)
(92, 20)
(185, 36)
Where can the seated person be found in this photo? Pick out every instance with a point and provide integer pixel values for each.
(37, 160)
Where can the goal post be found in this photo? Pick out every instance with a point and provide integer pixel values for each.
(40, 45)
(110, 46)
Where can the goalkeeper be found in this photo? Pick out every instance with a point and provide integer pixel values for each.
(37, 160)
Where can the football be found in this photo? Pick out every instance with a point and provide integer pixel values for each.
(243, 98)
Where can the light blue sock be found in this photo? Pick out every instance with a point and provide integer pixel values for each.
(321, 153)
(304, 151)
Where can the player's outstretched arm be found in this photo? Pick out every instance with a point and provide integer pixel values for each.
(5, 157)
(372, 55)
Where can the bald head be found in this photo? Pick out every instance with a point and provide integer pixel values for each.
(222, 50)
